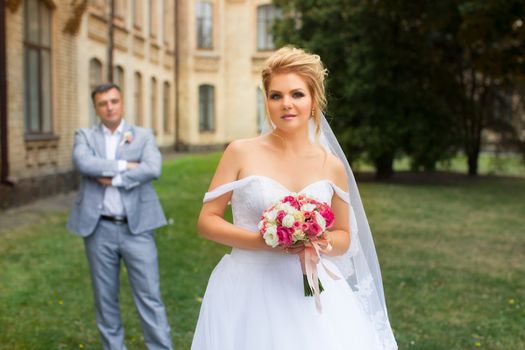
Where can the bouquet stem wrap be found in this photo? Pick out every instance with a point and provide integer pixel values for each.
(312, 256)
(299, 219)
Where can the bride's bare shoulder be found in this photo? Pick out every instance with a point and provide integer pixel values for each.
(247, 146)
(234, 159)
(336, 171)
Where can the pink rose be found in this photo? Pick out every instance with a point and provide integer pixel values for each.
(292, 201)
(305, 227)
(296, 225)
(280, 215)
(285, 235)
(329, 217)
(314, 229)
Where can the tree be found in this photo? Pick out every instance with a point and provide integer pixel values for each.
(413, 77)
(486, 44)
(380, 87)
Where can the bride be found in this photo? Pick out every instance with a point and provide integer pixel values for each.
(255, 297)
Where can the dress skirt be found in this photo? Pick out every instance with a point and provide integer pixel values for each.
(255, 301)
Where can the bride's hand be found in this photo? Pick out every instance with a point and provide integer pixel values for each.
(297, 248)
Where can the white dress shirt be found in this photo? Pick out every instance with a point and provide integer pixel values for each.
(112, 201)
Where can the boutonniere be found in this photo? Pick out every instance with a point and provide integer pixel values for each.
(127, 138)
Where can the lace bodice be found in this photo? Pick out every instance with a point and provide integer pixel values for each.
(253, 194)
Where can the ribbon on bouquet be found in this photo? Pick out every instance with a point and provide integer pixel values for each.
(312, 256)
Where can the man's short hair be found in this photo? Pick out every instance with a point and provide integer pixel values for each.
(100, 89)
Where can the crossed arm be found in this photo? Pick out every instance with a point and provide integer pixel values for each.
(117, 172)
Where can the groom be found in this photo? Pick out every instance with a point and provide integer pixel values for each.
(116, 211)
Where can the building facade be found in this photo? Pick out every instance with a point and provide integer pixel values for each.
(41, 106)
(188, 69)
(222, 47)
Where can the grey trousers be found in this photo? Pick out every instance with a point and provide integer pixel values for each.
(105, 248)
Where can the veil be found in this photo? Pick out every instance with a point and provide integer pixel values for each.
(359, 264)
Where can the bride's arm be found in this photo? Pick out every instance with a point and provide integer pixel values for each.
(339, 234)
(212, 224)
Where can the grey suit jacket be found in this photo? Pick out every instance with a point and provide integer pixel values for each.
(140, 201)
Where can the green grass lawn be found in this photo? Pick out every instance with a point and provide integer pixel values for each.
(452, 258)
(488, 164)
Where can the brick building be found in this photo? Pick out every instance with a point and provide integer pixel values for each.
(189, 69)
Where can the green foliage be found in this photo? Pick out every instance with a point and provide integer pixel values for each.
(415, 78)
(380, 86)
(482, 47)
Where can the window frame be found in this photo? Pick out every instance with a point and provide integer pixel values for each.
(153, 105)
(138, 98)
(206, 108)
(166, 107)
(261, 110)
(41, 49)
(92, 84)
(266, 16)
(204, 39)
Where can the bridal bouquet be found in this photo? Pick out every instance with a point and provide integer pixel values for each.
(297, 219)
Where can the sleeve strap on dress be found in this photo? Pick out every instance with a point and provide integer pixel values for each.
(224, 188)
(345, 196)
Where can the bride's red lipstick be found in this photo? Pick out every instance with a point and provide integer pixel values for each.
(288, 116)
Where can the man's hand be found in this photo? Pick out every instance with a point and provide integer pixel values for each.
(133, 165)
(104, 181)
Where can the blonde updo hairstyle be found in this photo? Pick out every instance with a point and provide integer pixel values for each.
(308, 66)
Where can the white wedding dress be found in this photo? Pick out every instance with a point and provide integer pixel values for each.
(255, 299)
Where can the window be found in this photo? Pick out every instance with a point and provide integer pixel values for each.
(204, 25)
(137, 13)
(138, 99)
(120, 8)
(95, 78)
(118, 78)
(153, 15)
(167, 24)
(37, 67)
(261, 111)
(266, 15)
(206, 107)
(166, 106)
(153, 104)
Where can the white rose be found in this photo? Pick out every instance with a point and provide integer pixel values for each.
(271, 215)
(298, 216)
(287, 207)
(288, 220)
(320, 220)
(270, 236)
(298, 236)
(307, 207)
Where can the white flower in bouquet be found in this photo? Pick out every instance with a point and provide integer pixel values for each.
(271, 215)
(308, 207)
(299, 216)
(270, 236)
(320, 220)
(288, 220)
(287, 208)
(298, 236)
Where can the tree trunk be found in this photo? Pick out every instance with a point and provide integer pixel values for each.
(384, 167)
(472, 165)
(472, 158)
